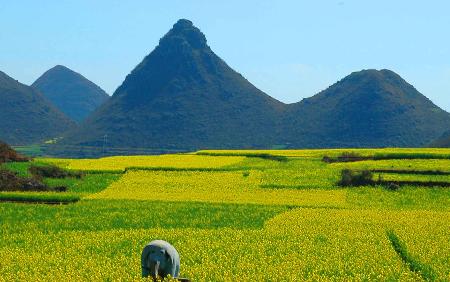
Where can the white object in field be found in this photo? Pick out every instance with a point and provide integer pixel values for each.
(160, 259)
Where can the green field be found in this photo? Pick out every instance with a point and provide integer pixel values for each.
(274, 215)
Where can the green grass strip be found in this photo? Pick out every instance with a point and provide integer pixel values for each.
(43, 198)
(413, 264)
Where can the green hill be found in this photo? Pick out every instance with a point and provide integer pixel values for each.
(369, 108)
(27, 117)
(183, 96)
(70, 92)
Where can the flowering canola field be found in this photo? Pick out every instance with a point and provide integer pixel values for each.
(226, 187)
(120, 163)
(235, 218)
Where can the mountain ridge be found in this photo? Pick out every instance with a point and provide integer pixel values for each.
(183, 96)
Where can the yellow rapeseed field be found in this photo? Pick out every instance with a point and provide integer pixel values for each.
(256, 219)
(303, 244)
(227, 187)
(173, 161)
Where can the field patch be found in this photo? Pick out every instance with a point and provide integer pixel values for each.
(214, 187)
(300, 174)
(426, 234)
(317, 244)
(411, 198)
(173, 161)
(97, 215)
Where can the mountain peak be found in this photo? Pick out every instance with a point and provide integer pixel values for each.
(375, 82)
(60, 68)
(183, 23)
(184, 32)
(375, 74)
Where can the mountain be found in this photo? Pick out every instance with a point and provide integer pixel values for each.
(70, 92)
(369, 108)
(183, 96)
(26, 116)
(442, 142)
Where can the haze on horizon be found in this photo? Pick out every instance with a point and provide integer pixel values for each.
(290, 50)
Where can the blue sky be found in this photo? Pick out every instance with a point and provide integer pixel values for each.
(289, 49)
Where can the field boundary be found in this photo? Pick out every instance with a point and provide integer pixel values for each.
(364, 177)
(37, 198)
(425, 271)
(355, 157)
(411, 171)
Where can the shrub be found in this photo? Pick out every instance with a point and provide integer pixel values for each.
(392, 186)
(52, 171)
(346, 157)
(7, 154)
(356, 178)
(10, 181)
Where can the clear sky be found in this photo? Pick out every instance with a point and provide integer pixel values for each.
(289, 49)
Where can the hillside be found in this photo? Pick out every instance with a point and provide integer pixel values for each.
(26, 116)
(183, 96)
(442, 142)
(369, 108)
(70, 92)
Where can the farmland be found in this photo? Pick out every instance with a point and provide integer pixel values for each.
(273, 215)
